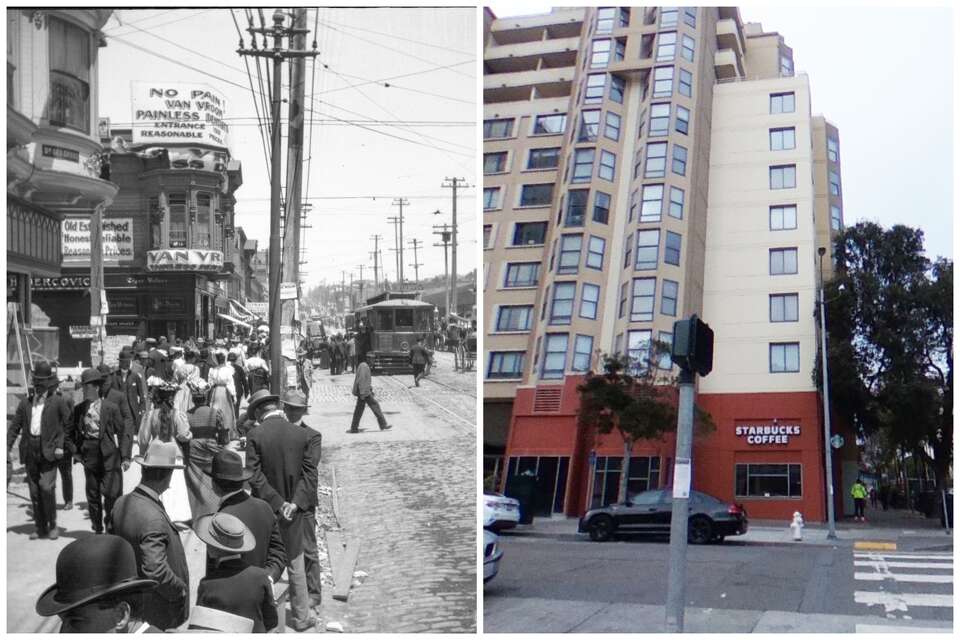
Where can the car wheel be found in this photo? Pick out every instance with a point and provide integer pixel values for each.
(700, 531)
(601, 528)
(718, 539)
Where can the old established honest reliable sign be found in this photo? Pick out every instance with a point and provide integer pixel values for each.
(178, 113)
(768, 433)
(117, 240)
(184, 260)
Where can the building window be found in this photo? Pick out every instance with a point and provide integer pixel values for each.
(589, 125)
(204, 227)
(667, 46)
(68, 103)
(666, 341)
(536, 195)
(617, 86)
(494, 162)
(576, 207)
(595, 250)
(582, 353)
(781, 139)
(648, 249)
(668, 17)
(659, 119)
(686, 83)
(834, 183)
(679, 160)
(582, 165)
(782, 102)
(596, 83)
(784, 307)
(633, 205)
(641, 306)
(836, 218)
(570, 245)
(487, 235)
(522, 274)
(623, 300)
(687, 48)
(638, 350)
(769, 481)
(786, 66)
(612, 130)
(491, 197)
(783, 261)
(543, 314)
(783, 217)
(652, 203)
(589, 299)
(683, 120)
(627, 251)
(600, 54)
(624, 16)
(505, 365)
(605, 17)
(500, 128)
(514, 318)
(529, 233)
(544, 158)
(555, 350)
(783, 176)
(601, 207)
(608, 165)
(690, 16)
(671, 248)
(668, 298)
(561, 307)
(662, 82)
(833, 150)
(554, 123)
(656, 166)
(619, 49)
(178, 220)
(156, 222)
(784, 357)
(676, 203)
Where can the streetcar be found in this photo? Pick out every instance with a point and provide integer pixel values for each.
(392, 327)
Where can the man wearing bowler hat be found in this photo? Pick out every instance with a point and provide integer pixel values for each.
(42, 417)
(229, 476)
(131, 384)
(98, 589)
(140, 519)
(278, 454)
(232, 585)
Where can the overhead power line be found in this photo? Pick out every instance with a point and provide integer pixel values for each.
(390, 35)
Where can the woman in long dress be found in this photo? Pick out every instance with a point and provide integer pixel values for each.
(184, 375)
(224, 393)
(165, 422)
(208, 438)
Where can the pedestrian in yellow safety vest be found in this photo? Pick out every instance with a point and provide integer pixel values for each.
(859, 494)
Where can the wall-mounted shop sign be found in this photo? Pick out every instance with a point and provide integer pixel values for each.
(117, 240)
(61, 283)
(177, 113)
(60, 153)
(82, 332)
(168, 304)
(184, 260)
(768, 433)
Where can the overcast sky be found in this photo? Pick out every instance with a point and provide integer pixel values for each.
(884, 77)
(435, 104)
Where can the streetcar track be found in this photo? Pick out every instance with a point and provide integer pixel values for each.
(434, 402)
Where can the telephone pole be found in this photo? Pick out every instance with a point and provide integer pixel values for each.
(453, 183)
(396, 250)
(361, 266)
(416, 244)
(343, 290)
(400, 202)
(278, 55)
(376, 255)
(444, 233)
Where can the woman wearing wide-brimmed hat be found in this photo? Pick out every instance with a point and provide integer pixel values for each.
(208, 437)
(164, 422)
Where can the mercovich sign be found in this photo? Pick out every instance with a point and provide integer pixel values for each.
(768, 433)
(178, 113)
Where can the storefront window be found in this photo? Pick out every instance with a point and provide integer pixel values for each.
(644, 475)
(769, 481)
(204, 224)
(68, 104)
(541, 480)
(178, 220)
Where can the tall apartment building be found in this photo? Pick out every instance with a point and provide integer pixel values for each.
(642, 164)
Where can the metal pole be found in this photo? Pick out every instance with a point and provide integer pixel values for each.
(275, 212)
(676, 581)
(453, 252)
(828, 462)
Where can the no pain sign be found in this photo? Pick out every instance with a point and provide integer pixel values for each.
(177, 113)
(760, 434)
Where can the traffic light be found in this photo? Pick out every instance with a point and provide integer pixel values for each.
(692, 348)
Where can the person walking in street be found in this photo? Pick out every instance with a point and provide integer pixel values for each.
(42, 418)
(232, 585)
(873, 496)
(239, 382)
(884, 495)
(166, 424)
(258, 372)
(101, 438)
(419, 358)
(352, 352)
(131, 384)
(859, 494)
(140, 518)
(223, 396)
(363, 390)
(207, 437)
(98, 588)
(278, 454)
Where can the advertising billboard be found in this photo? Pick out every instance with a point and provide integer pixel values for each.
(117, 240)
(171, 113)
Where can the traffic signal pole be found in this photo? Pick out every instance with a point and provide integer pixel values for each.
(677, 579)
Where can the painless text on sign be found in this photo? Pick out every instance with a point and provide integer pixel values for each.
(178, 113)
(768, 433)
(117, 240)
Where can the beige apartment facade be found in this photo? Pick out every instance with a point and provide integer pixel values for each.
(642, 164)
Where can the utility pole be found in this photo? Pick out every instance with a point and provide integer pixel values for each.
(444, 233)
(350, 295)
(343, 290)
(416, 244)
(376, 252)
(400, 202)
(453, 183)
(361, 266)
(396, 246)
(278, 55)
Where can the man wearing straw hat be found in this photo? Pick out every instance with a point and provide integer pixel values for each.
(139, 518)
(42, 417)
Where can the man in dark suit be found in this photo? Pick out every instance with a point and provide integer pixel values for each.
(131, 385)
(278, 455)
(43, 417)
(101, 438)
(229, 476)
(140, 519)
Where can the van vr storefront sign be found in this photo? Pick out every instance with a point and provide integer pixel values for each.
(768, 433)
(184, 260)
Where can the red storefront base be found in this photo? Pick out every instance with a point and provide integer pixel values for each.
(544, 427)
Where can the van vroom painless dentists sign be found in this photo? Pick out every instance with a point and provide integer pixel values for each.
(167, 113)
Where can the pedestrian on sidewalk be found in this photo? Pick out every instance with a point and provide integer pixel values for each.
(873, 496)
(224, 394)
(140, 518)
(884, 495)
(208, 436)
(232, 585)
(239, 383)
(131, 385)
(42, 417)
(166, 424)
(419, 358)
(859, 493)
(98, 589)
(363, 390)
(352, 352)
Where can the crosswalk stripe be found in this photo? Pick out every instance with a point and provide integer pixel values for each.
(900, 601)
(904, 577)
(903, 556)
(908, 565)
(882, 628)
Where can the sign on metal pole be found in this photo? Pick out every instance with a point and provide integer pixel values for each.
(288, 291)
(681, 478)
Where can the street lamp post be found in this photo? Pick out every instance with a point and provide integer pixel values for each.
(828, 462)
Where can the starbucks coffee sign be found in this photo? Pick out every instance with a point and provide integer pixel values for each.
(767, 433)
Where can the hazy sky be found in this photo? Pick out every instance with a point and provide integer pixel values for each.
(433, 109)
(884, 76)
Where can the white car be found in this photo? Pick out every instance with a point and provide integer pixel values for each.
(499, 511)
(491, 555)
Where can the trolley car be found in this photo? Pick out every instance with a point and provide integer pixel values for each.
(393, 326)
